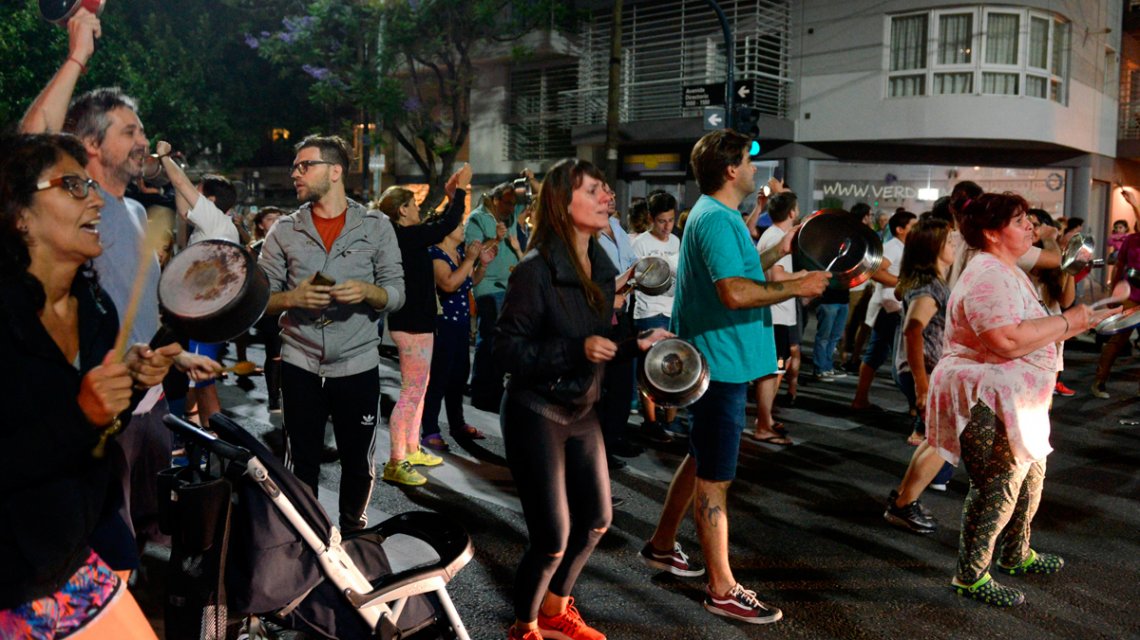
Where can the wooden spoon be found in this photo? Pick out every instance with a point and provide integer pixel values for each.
(241, 368)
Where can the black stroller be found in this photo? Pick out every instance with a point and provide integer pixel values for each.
(250, 544)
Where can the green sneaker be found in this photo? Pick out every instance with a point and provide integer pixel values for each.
(1036, 563)
(989, 592)
(402, 473)
(421, 458)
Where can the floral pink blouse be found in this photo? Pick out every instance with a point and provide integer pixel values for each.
(991, 294)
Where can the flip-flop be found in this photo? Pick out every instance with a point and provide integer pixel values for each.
(778, 440)
(779, 428)
(914, 439)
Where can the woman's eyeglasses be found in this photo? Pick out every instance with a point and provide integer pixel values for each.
(77, 186)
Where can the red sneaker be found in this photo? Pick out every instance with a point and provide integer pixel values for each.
(567, 626)
(1062, 390)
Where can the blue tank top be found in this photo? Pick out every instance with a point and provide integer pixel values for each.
(455, 305)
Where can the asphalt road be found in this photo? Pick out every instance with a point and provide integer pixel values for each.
(807, 530)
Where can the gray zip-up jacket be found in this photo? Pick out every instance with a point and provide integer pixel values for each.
(365, 250)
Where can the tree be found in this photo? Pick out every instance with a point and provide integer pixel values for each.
(186, 62)
(408, 64)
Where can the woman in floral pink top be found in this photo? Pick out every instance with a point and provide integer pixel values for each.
(990, 393)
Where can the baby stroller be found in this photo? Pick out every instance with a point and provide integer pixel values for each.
(251, 543)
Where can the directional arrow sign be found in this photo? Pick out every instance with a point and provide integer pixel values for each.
(705, 95)
(743, 89)
(713, 118)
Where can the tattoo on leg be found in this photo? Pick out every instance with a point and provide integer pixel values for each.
(708, 513)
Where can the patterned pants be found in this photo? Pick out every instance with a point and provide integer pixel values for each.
(1002, 500)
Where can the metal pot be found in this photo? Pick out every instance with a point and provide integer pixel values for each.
(1078, 254)
(1119, 322)
(652, 276)
(58, 12)
(673, 373)
(820, 238)
(213, 291)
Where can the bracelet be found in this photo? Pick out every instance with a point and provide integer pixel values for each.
(1067, 326)
(82, 67)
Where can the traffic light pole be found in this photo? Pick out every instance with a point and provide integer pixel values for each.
(730, 64)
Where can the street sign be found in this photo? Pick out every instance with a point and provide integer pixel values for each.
(707, 95)
(713, 118)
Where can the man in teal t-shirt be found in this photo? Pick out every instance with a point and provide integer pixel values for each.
(719, 306)
(493, 222)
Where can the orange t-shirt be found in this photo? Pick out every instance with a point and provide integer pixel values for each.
(330, 228)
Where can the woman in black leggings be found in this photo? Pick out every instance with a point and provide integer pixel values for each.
(551, 340)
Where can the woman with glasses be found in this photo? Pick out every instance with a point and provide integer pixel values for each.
(551, 339)
(61, 386)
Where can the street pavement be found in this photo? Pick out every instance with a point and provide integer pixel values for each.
(807, 531)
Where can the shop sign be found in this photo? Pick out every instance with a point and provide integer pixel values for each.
(867, 190)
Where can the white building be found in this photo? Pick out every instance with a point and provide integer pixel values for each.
(888, 102)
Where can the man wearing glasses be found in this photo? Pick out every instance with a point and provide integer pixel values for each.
(106, 121)
(334, 271)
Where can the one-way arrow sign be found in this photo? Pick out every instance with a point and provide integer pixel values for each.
(713, 118)
(742, 90)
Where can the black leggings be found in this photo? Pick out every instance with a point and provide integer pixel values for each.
(353, 402)
(564, 486)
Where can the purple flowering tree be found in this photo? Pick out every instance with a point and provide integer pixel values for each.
(404, 64)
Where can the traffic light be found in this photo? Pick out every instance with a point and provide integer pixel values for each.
(746, 120)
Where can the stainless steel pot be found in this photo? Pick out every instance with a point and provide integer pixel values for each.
(652, 276)
(213, 291)
(58, 12)
(819, 242)
(1078, 254)
(673, 373)
(1119, 322)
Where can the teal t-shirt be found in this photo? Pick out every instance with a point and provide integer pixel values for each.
(481, 226)
(738, 344)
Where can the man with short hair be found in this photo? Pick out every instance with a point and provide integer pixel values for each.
(492, 223)
(106, 120)
(783, 210)
(884, 310)
(334, 271)
(720, 306)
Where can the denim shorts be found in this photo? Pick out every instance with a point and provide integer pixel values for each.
(659, 321)
(717, 424)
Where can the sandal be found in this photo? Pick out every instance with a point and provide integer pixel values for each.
(468, 431)
(435, 442)
(775, 439)
(1043, 563)
(990, 592)
(915, 439)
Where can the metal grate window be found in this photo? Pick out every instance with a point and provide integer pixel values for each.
(535, 129)
(668, 44)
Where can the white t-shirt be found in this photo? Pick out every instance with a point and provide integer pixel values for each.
(645, 245)
(210, 223)
(783, 313)
(884, 297)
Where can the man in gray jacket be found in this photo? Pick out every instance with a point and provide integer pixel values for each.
(334, 271)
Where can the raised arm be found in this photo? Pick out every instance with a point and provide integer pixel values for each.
(47, 113)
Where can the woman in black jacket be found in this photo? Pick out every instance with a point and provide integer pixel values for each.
(60, 386)
(551, 340)
(413, 326)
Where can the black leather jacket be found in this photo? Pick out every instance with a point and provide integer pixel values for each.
(542, 330)
(52, 490)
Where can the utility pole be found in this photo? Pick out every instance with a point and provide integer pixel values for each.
(613, 111)
(729, 66)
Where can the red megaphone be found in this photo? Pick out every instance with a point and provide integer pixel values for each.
(58, 12)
